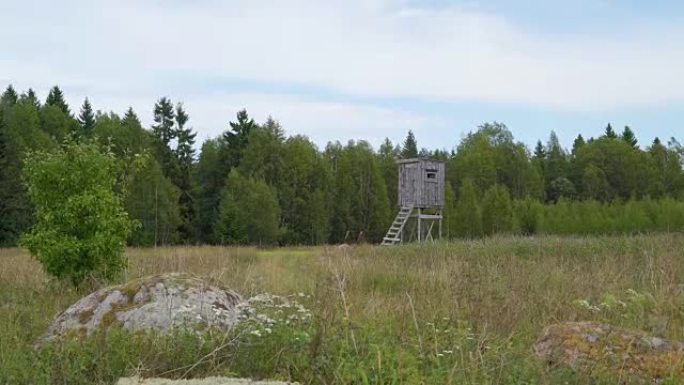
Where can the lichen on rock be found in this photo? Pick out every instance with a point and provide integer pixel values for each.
(160, 303)
(603, 348)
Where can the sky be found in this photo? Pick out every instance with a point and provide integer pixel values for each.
(354, 69)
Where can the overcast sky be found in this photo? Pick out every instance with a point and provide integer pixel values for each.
(352, 69)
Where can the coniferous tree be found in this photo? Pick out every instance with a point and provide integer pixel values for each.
(86, 118)
(539, 150)
(388, 155)
(9, 98)
(610, 133)
(164, 132)
(185, 154)
(130, 117)
(577, 145)
(31, 97)
(56, 98)
(629, 137)
(236, 139)
(410, 147)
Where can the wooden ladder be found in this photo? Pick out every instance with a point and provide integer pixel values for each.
(393, 235)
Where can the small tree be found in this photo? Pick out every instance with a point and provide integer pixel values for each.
(468, 221)
(497, 213)
(248, 213)
(81, 226)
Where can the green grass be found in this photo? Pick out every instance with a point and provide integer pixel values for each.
(461, 312)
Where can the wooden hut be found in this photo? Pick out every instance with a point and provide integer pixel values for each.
(420, 201)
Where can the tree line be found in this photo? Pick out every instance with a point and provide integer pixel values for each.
(254, 184)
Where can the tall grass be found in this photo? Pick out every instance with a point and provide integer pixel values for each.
(459, 312)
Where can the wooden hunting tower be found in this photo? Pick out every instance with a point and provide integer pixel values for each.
(421, 201)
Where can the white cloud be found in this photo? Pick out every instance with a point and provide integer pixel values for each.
(130, 50)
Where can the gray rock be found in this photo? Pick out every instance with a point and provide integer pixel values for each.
(160, 303)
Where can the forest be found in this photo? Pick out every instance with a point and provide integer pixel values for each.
(256, 185)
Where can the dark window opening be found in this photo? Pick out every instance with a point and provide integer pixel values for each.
(432, 175)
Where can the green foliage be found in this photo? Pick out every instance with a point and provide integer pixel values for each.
(55, 98)
(81, 226)
(236, 139)
(360, 209)
(9, 98)
(490, 156)
(497, 212)
(628, 137)
(152, 201)
(342, 194)
(86, 118)
(56, 123)
(610, 133)
(410, 147)
(248, 212)
(209, 180)
(527, 213)
(468, 215)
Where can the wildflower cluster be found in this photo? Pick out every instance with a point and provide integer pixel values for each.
(632, 306)
(267, 313)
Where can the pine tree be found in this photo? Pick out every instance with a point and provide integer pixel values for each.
(629, 137)
(56, 98)
(9, 98)
(86, 118)
(610, 133)
(410, 148)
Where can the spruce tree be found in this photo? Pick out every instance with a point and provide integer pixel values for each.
(629, 137)
(610, 133)
(9, 97)
(130, 118)
(577, 144)
(185, 157)
(236, 139)
(163, 130)
(539, 150)
(86, 118)
(7, 236)
(56, 98)
(410, 148)
(32, 98)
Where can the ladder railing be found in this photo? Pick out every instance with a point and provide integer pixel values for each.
(393, 235)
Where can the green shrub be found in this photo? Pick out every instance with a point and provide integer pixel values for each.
(81, 227)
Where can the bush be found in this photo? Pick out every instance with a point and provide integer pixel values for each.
(81, 227)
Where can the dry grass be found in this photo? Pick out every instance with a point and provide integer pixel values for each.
(505, 290)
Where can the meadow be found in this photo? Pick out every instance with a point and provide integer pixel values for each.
(463, 312)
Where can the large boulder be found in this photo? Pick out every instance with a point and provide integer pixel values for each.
(160, 303)
(602, 348)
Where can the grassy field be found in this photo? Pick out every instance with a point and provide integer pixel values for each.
(452, 313)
